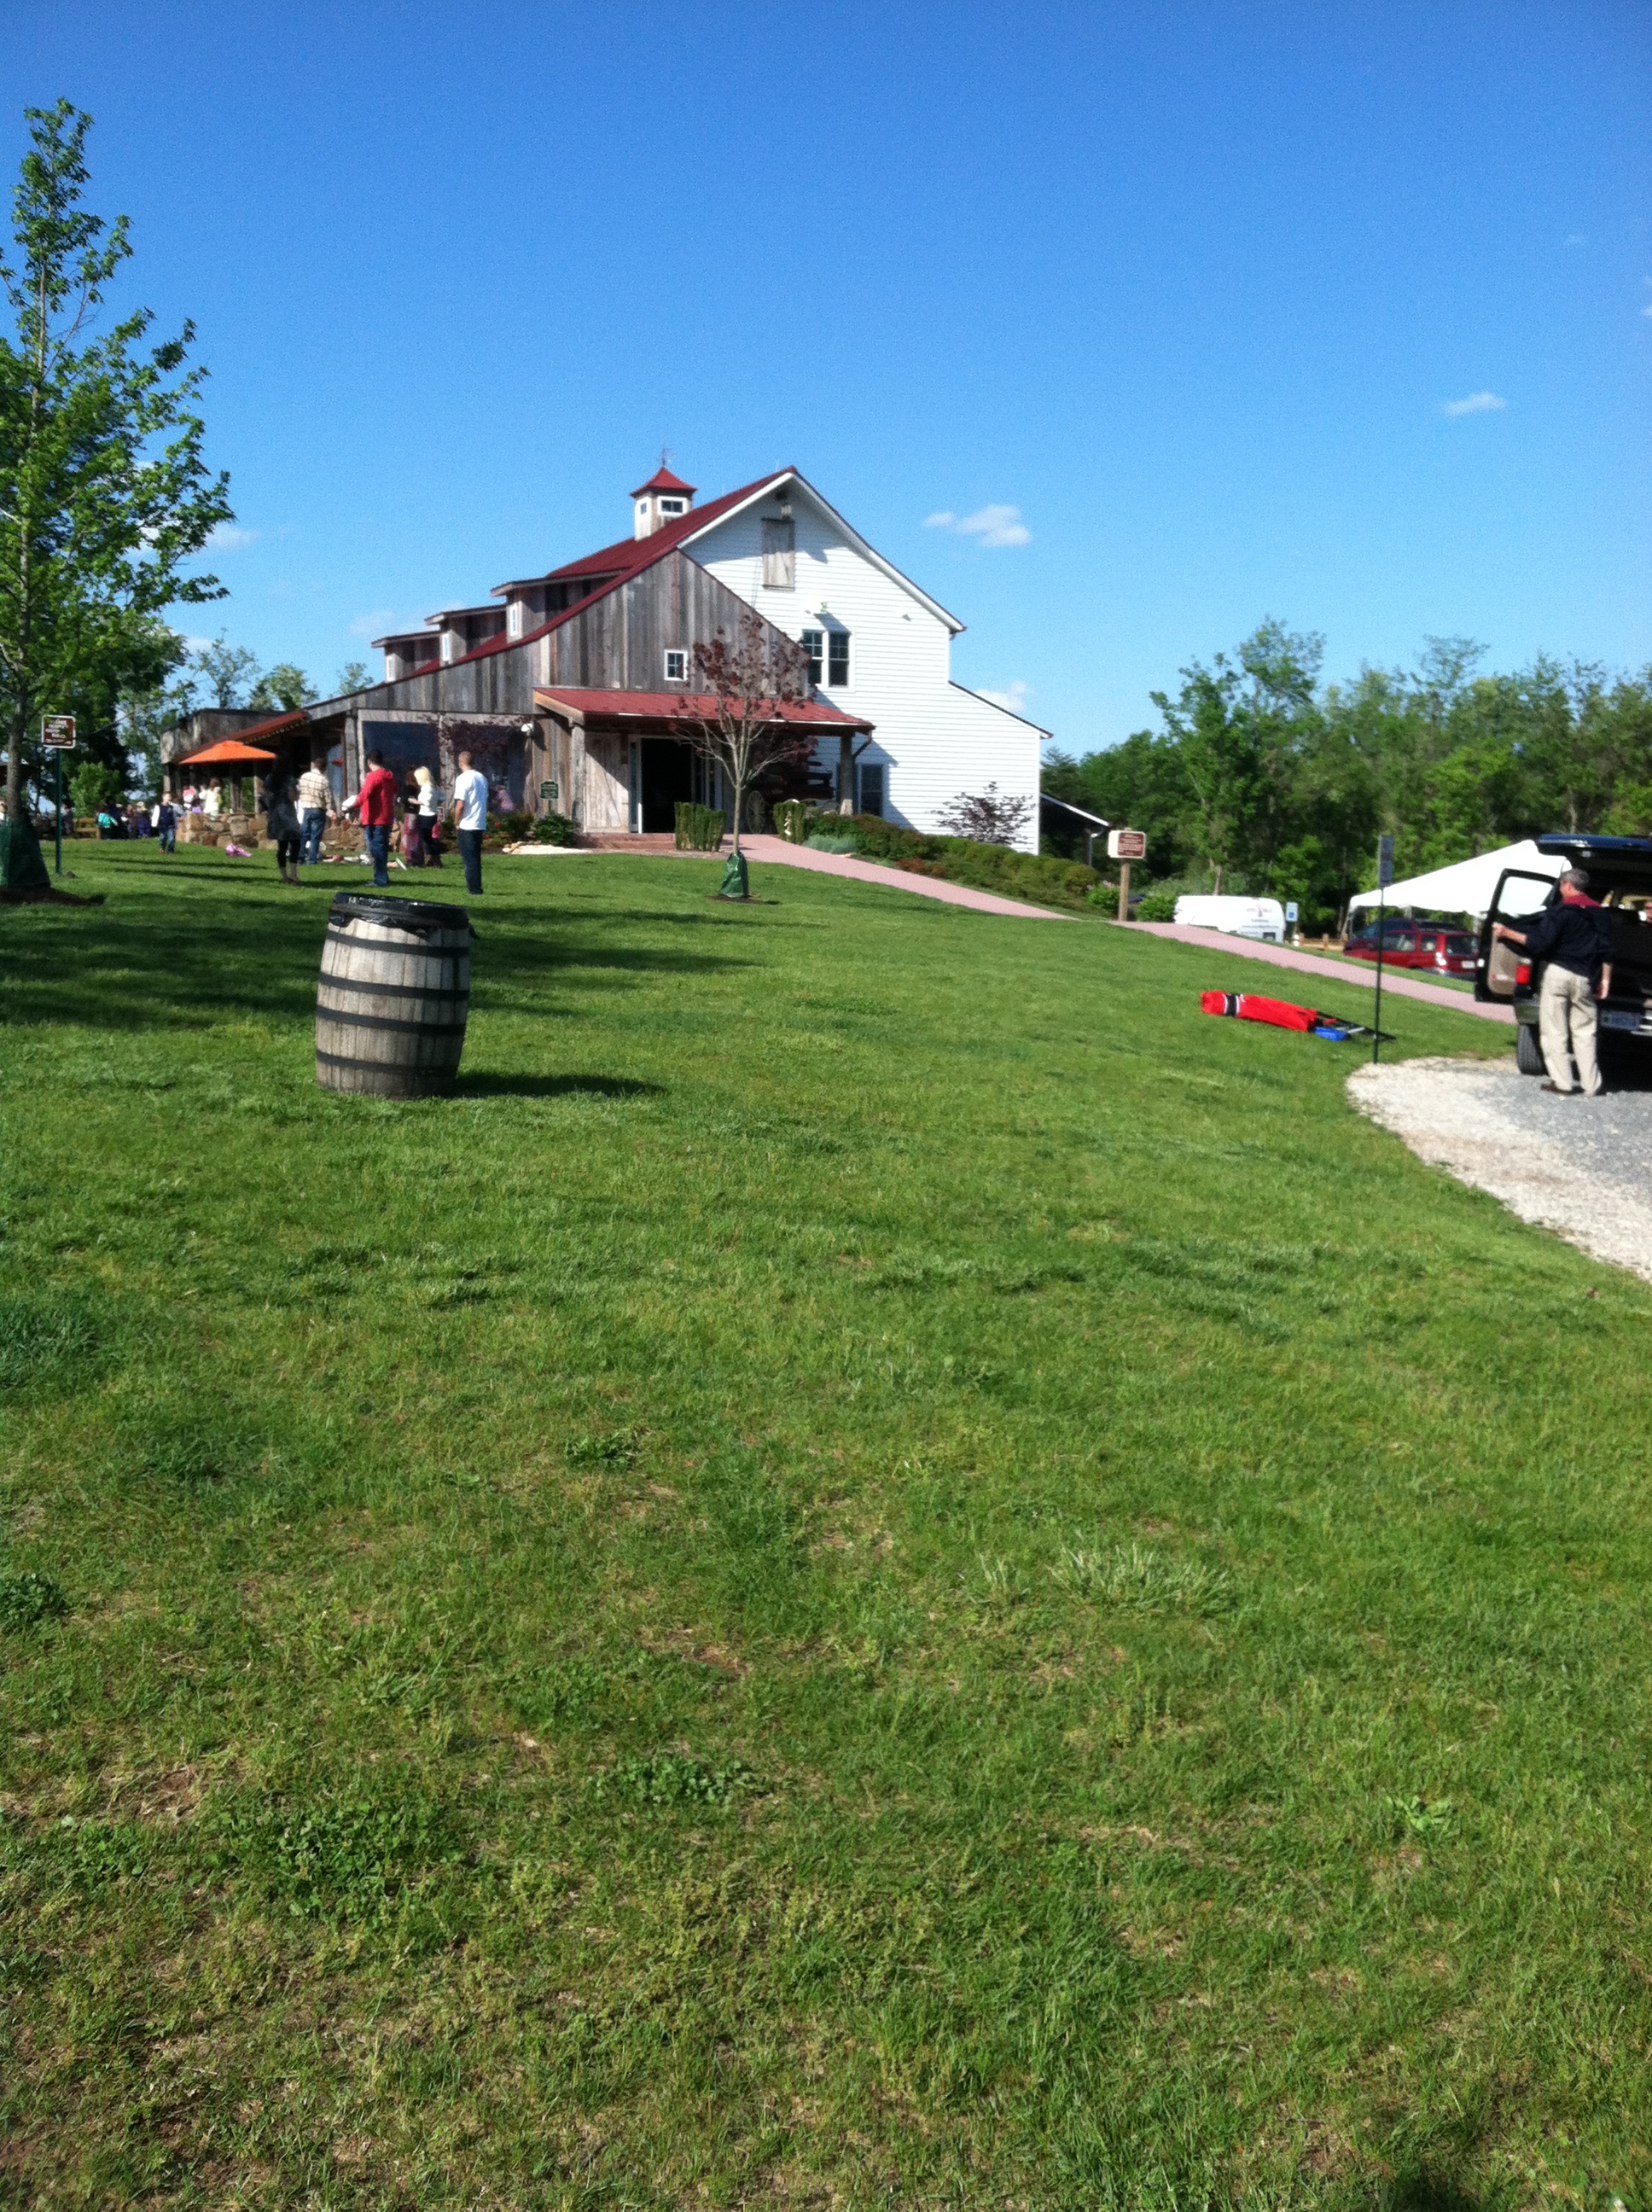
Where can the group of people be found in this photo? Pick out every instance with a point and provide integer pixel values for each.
(298, 815)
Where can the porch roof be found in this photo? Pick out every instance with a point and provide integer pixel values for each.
(686, 707)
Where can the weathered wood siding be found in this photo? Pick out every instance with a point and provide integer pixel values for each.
(614, 643)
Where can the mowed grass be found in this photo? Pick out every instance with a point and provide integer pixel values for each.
(881, 1566)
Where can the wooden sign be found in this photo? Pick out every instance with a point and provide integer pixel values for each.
(1126, 844)
(57, 732)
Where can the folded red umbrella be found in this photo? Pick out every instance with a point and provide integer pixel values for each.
(1280, 1014)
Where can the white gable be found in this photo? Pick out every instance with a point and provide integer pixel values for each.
(934, 739)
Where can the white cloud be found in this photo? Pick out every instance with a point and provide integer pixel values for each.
(1478, 403)
(1014, 695)
(226, 538)
(987, 526)
(380, 623)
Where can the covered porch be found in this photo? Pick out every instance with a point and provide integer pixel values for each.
(618, 763)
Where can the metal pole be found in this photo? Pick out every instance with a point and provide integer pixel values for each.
(58, 756)
(1376, 1018)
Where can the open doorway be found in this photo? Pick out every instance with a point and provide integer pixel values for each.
(667, 778)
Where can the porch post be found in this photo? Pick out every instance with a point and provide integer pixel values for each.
(846, 773)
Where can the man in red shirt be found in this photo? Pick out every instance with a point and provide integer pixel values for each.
(377, 801)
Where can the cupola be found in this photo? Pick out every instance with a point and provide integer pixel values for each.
(660, 500)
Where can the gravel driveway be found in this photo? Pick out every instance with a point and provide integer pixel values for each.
(1582, 1166)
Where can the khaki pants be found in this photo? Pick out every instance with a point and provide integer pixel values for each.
(1567, 1001)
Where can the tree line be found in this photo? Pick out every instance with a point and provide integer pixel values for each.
(1265, 779)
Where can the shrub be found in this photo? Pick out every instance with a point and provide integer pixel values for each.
(27, 1598)
(792, 821)
(831, 841)
(553, 829)
(666, 1778)
(1158, 906)
(699, 829)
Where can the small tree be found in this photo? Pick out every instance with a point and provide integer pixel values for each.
(104, 495)
(750, 683)
(354, 676)
(985, 818)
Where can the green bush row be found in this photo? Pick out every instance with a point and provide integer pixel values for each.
(1036, 877)
(699, 829)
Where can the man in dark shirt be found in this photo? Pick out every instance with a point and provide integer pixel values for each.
(1573, 941)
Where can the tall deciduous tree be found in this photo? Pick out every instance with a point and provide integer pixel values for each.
(104, 494)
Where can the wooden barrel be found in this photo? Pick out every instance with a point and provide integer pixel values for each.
(394, 996)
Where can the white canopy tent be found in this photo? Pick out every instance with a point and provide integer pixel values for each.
(1468, 886)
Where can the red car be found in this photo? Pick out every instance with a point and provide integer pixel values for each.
(1432, 944)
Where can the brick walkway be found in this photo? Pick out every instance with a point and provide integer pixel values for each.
(1400, 981)
(771, 849)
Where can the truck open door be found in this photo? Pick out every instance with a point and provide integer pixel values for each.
(1501, 971)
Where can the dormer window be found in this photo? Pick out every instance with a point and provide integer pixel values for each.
(673, 507)
(513, 619)
(677, 665)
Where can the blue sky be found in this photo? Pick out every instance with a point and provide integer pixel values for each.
(1339, 314)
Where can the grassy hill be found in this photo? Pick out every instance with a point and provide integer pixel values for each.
(882, 1566)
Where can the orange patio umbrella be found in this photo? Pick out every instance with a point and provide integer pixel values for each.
(230, 753)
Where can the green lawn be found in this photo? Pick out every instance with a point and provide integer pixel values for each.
(882, 1566)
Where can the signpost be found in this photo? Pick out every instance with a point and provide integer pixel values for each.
(57, 737)
(548, 793)
(1125, 846)
(1384, 878)
(1292, 911)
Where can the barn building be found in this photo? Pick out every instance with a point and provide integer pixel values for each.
(574, 689)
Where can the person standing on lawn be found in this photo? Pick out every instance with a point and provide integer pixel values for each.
(376, 801)
(469, 820)
(1573, 939)
(314, 807)
(429, 815)
(281, 816)
(165, 825)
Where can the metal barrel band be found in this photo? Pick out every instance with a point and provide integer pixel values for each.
(420, 1078)
(343, 1017)
(374, 989)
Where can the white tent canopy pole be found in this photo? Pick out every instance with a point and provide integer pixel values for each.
(1469, 886)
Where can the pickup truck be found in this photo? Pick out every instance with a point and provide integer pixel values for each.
(1619, 871)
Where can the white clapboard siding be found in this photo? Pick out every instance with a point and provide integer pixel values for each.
(935, 739)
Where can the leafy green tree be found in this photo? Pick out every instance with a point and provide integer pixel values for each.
(104, 494)
(354, 676)
(226, 669)
(283, 688)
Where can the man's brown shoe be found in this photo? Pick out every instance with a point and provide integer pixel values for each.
(1557, 1092)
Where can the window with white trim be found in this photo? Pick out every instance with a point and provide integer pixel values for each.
(672, 506)
(513, 618)
(677, 665)
(813, 642)
(837, 659)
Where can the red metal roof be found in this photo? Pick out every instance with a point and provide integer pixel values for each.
(630, 554)
(229, 749)
(663, 480)
(687, 706)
